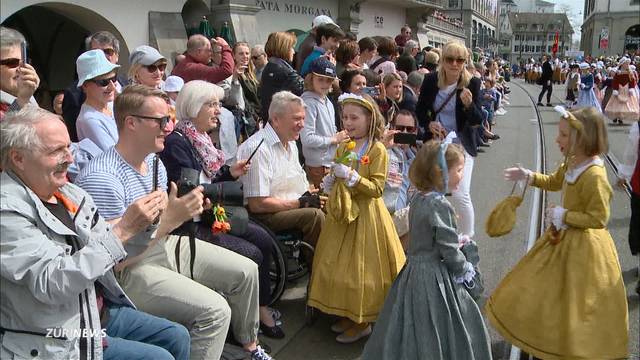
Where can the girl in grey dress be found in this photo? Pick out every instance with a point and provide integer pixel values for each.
(428, 313)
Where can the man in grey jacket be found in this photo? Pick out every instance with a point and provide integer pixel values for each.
(59, 296)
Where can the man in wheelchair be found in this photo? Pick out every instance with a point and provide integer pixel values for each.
(276, 186)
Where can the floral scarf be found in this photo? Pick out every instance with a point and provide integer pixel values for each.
(209, 157)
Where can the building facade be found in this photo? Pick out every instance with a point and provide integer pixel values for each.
(56, 29)
(534, 35)
(480, 19)
(610, 27)
(505, 35)
(535, 6)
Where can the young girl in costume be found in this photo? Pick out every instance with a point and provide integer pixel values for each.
(573, 81)
(623, 104)
(586, 95)
(428, 313)
(566, 298)
(358, 254)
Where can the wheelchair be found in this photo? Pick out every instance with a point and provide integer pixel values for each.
(291, 260)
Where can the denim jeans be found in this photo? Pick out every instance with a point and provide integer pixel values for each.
(133, 334)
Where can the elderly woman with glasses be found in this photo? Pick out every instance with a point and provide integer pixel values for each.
(97, 77)
(189, 146)
(449, 105)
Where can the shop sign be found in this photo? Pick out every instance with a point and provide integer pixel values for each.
(378, 21)
(292, 8)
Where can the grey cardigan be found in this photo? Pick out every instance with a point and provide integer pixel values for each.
(41, 282)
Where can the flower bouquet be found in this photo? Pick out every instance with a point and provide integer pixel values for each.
(349, 156)
(220, 223)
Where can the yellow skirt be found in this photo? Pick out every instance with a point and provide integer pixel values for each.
(565, 301)
(354, 265)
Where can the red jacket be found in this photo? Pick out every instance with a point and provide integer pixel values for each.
(189, 69)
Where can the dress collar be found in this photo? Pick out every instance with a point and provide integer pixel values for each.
(572, 175)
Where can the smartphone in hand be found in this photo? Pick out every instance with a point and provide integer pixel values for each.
(371, 91)
(405, 138)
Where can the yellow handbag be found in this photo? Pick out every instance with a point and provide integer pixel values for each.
(502, 218)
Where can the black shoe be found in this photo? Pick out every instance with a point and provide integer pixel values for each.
(539, 104)
(484, 144)
(480, 150)
(274, 332)
(494, 137)
(549, 105)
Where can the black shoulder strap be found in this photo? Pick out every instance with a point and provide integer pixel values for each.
(378, 62)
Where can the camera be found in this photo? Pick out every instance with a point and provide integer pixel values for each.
(228, 193)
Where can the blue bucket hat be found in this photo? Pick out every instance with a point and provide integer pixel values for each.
(92, 64)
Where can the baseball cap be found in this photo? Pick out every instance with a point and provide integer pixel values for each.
(173, 84)
(321, 20)
(323, 67)
(91, 64)
(145, 55)
(584, 65)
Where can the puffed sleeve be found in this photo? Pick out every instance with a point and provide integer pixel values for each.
(373, 185)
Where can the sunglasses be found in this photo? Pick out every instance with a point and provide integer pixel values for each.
(154, 68)
(162, 121)
(451, 59)
(256, 57)
(109, 52)
(405, 128)
(104, 82)
(11, 63)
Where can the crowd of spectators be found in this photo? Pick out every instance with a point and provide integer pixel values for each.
(94, 220)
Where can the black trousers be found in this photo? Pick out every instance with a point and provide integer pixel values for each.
(548, 89)
(634, 224)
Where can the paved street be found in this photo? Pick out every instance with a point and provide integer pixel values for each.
(517, 145)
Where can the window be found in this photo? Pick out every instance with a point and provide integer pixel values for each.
(516, 48)
(517, 37)
(538, 48)
(550, 37)
(453, 4)
(549, 48)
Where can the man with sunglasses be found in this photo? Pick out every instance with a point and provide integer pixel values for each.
(74, 97)
(97, 78)
(259, 59)
(18, 80)
(396, 194)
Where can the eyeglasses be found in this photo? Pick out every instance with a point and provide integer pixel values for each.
(405, 128)
(255, 57)
(154, 68)
(104, 82)
(162, 121)
(109, 51)
(451, 59)
(214, 104)
(11, 63)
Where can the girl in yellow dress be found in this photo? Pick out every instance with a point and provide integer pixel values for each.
(358, 253)
(566, 299)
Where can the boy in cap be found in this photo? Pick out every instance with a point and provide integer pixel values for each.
(319, 136)
(327, 41)
(310, 41)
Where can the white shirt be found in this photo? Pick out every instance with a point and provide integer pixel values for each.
(275, 171)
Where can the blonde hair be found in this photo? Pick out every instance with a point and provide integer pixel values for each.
(279, 44)
(249, 74)
(132, 74)
(590, 137)
(372, 111)
(391, 77)
(454, 49)
(425, 172)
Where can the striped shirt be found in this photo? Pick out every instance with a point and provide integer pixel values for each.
(275, 171)
(114, 185)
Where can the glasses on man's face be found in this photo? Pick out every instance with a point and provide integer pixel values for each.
(11, 63)
(153, 68)
(162, 121)
(405, 128)
(451, 60)
(109, 52)
(256, 57)
(104, 82)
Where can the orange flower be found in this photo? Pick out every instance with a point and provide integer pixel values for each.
(217, 227)
(227, 226)
(365, 160)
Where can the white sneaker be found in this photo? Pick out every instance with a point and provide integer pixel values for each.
(501, 111)
(505, 102)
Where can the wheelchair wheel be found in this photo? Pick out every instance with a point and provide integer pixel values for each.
(300, 260)
(277, 272)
